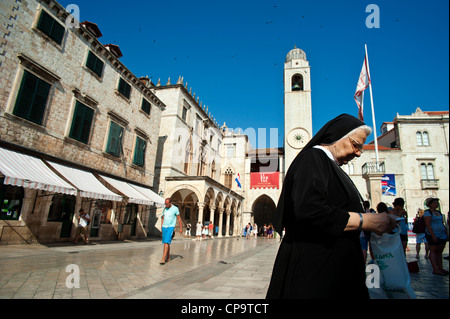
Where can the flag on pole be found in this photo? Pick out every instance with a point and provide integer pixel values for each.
(238, 180)
(363, 83)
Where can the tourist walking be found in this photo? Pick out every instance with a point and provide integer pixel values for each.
(248, 231)
(169, 218)
(255, 230)
(270, 231)
(82, 228)
(188, 230)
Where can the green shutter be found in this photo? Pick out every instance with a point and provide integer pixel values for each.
(25, 96)
(76, 122)
(57, 32)
(114, 140)
(40, 100)
(32, 98)
(146, 106)
(45, 23)
(139, 152)
(90, 62)
(99, 67)
(124, 88)
(81, 123)
(95, 64)
(87, 122)
(51, 27)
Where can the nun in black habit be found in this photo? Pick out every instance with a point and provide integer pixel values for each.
(320, 209)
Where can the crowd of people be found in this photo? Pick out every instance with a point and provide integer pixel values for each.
(266, 231)
(429, 228)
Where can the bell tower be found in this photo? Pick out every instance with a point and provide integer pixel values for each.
(297, 104)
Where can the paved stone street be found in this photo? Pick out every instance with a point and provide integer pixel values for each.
(209, 269)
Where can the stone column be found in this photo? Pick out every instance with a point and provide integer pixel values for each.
(211, 217)
(220, 221)
(201, 206)
(227, 228)
(27, 206)
(373, 181)
(234, 221)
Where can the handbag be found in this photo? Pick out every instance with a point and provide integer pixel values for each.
(419, 225)
(391, 260)
(413, 267)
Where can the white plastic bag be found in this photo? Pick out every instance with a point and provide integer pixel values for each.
(391, 260)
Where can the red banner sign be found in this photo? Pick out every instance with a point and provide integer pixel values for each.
(264, 180)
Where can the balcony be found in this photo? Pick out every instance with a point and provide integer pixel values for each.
(429, 183)
(370, 168)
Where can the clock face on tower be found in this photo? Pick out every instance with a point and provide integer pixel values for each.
(297, 137)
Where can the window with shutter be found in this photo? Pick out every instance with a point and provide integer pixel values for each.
(114, 145)
(94, 63)
(32, 98)
(124, 88)
(48, 25)
(139, 152)
(81, 123)
(146, 106)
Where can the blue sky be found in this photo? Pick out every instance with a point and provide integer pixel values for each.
(232, 53)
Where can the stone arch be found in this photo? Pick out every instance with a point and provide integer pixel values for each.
(208, 200)
(219, 200)
(188, 187)
(263, 210)
(186, 198)
(210, 196)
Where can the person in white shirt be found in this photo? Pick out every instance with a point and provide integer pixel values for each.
(82, 229)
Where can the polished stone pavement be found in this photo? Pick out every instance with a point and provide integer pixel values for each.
(220, 268)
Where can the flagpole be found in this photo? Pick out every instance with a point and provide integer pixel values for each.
(373, 112)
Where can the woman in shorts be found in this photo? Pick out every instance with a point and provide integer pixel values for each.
(436, 235)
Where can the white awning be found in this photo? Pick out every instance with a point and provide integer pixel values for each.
(134, 196)
(31, 172)
(86, 182)
(158, 200)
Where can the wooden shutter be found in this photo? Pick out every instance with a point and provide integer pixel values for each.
(139, 152)
(32, 98)
(81, 123)
(114, 139)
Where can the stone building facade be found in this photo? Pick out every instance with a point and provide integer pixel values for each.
(198, 163)
(192, 168)
(66, 98)
(413, 154)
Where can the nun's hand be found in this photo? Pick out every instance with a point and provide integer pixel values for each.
(379, 223)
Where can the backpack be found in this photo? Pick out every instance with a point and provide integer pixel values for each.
(419, 225)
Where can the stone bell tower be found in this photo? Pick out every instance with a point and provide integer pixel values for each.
(297, 104)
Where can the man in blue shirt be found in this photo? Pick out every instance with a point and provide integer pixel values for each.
(168, 221)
